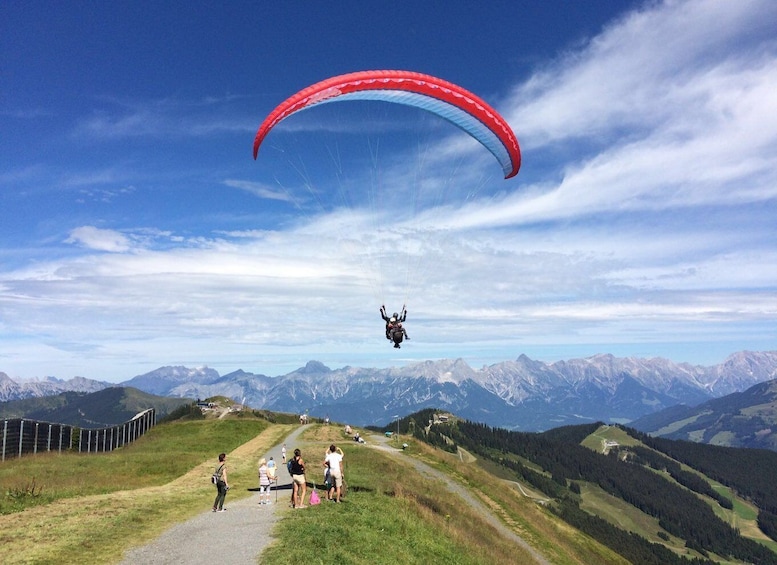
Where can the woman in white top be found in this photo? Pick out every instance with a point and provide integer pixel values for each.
(264, 483)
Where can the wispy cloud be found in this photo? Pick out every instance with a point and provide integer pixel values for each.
(169, 117)
(260, 189)
(652, 222)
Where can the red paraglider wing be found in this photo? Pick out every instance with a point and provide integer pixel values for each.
(445, 99)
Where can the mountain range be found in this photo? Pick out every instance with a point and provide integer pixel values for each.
(523, 394)
(741, 419)
(50, 386)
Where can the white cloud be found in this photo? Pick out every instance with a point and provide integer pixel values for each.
(120, 119)
(259, 189)
(99, 239)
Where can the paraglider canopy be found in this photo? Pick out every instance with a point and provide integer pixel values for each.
(403, 240)
(445, 99)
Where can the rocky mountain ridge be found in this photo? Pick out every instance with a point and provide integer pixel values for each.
(12, 390)
(523, 394)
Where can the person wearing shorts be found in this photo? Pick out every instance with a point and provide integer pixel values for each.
(299, 485)
(334, 460)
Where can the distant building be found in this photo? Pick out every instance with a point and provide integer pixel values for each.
(608, 444)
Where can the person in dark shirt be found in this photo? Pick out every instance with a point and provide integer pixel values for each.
(299, 485)
(394, 330)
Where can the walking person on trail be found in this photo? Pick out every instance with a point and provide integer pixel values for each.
(271, 470)
(264, 482)
(283, 453)
(222, 483)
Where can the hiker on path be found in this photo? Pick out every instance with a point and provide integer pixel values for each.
(271, 470)
(222, 483)
(283, 453)
(264, 482)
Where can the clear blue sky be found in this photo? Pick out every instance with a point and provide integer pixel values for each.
(137, 231)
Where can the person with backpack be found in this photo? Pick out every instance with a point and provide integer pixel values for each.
(222, 483)
(296, 467)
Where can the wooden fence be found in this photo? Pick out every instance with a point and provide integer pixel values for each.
(21, 436)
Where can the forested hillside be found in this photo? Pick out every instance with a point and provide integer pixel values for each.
(107, 407)
(742, 419)
(672, 486)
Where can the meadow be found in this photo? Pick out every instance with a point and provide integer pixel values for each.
(104, 504)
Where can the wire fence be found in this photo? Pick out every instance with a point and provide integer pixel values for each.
(21, 436)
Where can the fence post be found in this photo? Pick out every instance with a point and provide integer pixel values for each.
(5, 435)
(21, 436)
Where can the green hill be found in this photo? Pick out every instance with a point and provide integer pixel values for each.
(640, 497)
(108, 407)
(743, 419)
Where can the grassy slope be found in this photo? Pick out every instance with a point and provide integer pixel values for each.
(616, 511)
(532, 521)
(105, 504)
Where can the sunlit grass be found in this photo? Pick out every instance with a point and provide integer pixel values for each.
(595, 441)
(526, 516)
(161, 455)
(107, 517)
(391, 514)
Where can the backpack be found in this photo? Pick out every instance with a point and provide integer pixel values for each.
(288, 466)
(215, 477)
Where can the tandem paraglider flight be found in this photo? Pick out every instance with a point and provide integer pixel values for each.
(449, 101)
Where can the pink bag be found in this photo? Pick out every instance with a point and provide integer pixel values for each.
(314, 498)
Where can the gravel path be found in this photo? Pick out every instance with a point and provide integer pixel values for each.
(236, 536)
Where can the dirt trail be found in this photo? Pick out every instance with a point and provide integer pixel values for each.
(380, 442)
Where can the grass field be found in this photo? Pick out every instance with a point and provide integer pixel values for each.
(596, 441)
(104, 504)
(57, 508)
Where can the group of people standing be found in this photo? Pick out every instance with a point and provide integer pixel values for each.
(333, 477)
